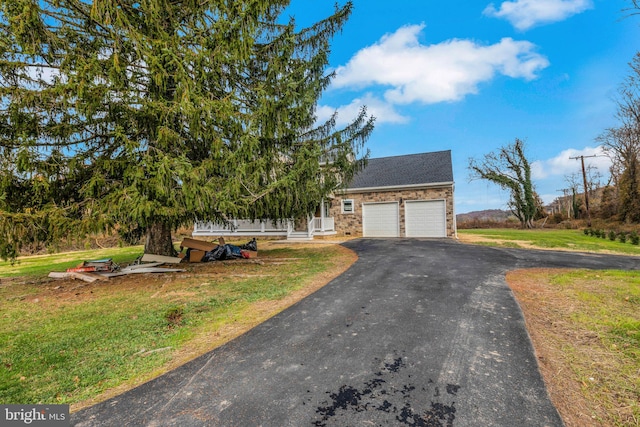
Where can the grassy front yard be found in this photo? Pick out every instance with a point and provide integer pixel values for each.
(585, 326)
(71, 342)
(74, 342)
(573, 240)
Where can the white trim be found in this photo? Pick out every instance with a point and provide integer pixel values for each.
(396, 187)
(353, 206)
(455, 220)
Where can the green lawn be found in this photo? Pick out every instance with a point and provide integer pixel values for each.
(68, 341)
(71, 343)
(550, 239)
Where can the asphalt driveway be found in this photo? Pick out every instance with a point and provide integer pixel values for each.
(416, 333)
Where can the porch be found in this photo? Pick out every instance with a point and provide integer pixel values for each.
(316, 226)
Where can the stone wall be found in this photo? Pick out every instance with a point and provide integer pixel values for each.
(350, 224)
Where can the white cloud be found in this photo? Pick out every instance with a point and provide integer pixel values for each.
(563, 164)
(442, 72)
(524, 14)
(382, 111)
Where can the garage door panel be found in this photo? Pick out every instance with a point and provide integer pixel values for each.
(425, 218)
(380, 220)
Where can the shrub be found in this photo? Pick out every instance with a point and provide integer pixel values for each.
(612, 235)
(622, 237)
(556, 218)
(587, 231)
(634, 238)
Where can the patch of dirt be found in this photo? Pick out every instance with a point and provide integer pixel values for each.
(472, 238)
(545, 311)
(64, 291)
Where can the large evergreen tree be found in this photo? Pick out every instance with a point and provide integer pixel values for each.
(145, 115)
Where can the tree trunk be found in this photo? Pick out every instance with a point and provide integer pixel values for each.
(158, 241)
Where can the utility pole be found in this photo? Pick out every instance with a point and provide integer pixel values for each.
(586, 189)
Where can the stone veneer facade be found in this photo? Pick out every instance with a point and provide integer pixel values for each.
(350, 224)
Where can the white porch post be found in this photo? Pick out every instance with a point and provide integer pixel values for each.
(322, 215)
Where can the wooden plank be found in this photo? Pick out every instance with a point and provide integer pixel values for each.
(143, 270)
(198, 244)
(60, 275)
(117, 273)
(157, 270)
(161, 258)
(95, 276)
(89, 278)
(146, 265)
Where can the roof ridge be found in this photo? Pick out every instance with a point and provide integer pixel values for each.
(411, 154)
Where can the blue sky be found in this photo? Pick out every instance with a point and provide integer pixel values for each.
(471, 76)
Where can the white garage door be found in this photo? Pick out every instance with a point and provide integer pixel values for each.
(426, 218)
(380, 220)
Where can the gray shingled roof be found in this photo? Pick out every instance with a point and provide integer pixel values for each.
(411, 169)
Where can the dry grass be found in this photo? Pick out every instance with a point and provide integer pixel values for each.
(591, 372)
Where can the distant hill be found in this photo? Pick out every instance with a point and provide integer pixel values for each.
(490, 215)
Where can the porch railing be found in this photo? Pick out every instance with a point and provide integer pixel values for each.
(329, 224)
(243, 227)
(248, 227)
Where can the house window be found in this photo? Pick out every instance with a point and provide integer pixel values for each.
(347, 206)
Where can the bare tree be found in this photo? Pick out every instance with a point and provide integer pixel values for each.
(574, 181)
(622, 145)
(594, 178)
(510, 169)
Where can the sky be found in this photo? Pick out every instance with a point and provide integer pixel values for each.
(472, 76)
